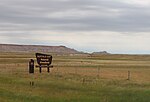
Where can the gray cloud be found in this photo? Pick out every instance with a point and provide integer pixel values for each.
(89, 25)
(73, 15)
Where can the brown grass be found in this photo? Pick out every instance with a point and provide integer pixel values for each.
(112, 67)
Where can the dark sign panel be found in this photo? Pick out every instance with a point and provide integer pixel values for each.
(44, 60)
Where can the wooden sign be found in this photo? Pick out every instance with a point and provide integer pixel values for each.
(44, 61)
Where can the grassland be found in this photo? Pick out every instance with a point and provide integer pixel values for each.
(84, 78)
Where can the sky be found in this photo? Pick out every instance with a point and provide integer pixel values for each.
(116, 26)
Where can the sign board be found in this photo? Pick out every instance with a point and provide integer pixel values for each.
(44, 61)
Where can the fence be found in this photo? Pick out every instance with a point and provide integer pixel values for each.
(98, 72)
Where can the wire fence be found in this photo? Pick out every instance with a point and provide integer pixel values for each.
(22, 70)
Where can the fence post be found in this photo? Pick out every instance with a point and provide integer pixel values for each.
(98, 72)
(57, 72)
(31, 66)
(31, 71)
(75, 70)
(57, 69)
(128, 75)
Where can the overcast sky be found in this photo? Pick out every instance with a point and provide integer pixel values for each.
(116, 26)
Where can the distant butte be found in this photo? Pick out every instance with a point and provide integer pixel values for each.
(37, 48)
(101, 52)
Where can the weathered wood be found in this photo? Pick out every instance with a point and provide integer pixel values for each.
(128, 75)
(44, 66)
(44, 61)
(31, 66)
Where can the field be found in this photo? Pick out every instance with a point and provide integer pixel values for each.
(76, 78)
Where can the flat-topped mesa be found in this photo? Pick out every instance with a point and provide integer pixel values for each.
(101, 52)
(37, 48)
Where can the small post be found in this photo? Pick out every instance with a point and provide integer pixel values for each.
(128, 75)
(31, 71)
(31, 66)
(40, 69)
(98, 72)
(57, 69)
(75, 70)
(83, 81)
(48, 69)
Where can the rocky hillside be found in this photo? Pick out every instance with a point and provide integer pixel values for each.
(36, 48)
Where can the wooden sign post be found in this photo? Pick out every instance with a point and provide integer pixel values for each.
(31, 66)
(31, 71)
(128, 75)
(44, 61)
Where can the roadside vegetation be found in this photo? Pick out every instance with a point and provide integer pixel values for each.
(80, 78)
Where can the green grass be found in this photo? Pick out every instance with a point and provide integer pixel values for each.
(63, 84)
(61, 90)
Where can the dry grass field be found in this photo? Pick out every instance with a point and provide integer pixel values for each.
(76, 78)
